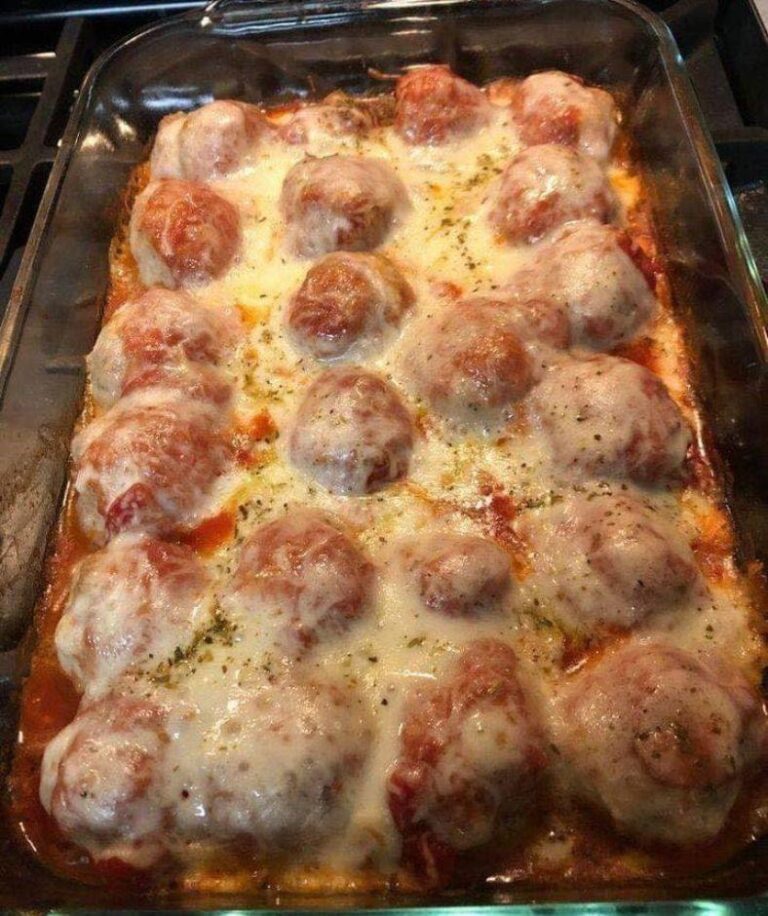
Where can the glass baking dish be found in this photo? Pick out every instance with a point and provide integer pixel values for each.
(271, 52)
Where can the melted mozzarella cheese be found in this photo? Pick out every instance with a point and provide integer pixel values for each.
(445, 247)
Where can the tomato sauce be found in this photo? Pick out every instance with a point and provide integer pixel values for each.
(212, 533)
(642, 350)
(49, 703)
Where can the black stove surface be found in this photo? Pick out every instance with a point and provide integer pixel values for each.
(47, 48)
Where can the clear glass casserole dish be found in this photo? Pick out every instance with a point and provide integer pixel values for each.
(270, 53)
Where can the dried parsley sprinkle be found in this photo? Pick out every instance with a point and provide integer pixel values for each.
(220, 628)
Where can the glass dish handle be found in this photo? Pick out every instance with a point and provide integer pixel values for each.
(215, 9)
(220, 12)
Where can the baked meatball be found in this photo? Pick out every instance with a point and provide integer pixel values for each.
(340, 203)
(553, 107)
(195, 381)
(281, 767)
(469, 361)
(457, 575)
(303, 578)
(352, 432)
(160, 329)
(471, 757)
(133, 601)
(182, 234)
(536, 319)
(148, 464)
(338, 115)
(434, 106)
(609, 417)
(544, 187)
(99, 780)
(588, 271)
(605, 562)
(660, 740)
(347, 299)
(207, 143)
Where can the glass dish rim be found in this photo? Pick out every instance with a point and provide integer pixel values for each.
(243, 17)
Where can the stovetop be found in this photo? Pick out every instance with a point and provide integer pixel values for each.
(47, 48)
